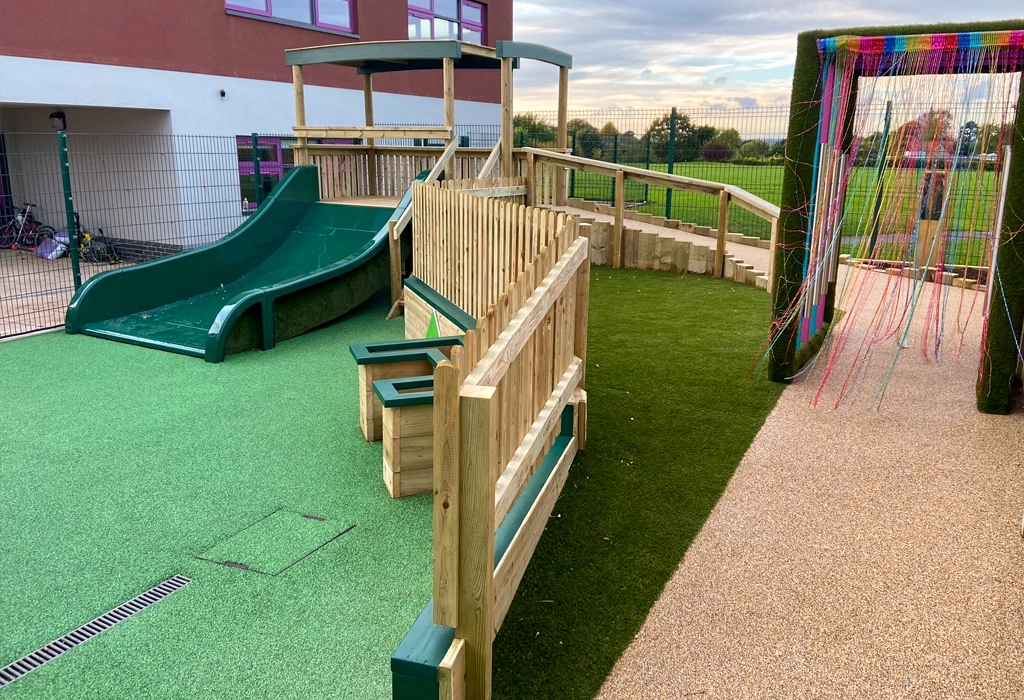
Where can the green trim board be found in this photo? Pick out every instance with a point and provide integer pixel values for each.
(392, 351)
(534, 52)
(415, 662)
(295, 264)
(440, 304)
(390, 391)
(995, 388)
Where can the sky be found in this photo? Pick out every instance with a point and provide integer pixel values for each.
(723, 53)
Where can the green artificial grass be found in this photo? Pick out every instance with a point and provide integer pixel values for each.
(276, 542)
(671, 413)
(120, 466)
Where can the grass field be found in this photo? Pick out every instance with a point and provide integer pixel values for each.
(123, 466)
(765, 181)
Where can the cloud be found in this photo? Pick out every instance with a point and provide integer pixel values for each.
(658, 53)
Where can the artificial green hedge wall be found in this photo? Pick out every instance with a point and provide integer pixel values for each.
(995, 388)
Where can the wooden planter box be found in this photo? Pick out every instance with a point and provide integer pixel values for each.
(407, 419)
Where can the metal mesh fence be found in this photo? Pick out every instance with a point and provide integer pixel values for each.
(134, 197)
(742, 147)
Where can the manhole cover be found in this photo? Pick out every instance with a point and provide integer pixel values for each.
(275, 543)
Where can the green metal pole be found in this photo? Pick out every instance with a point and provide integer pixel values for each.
(615, 159)
(572, 171)
(647, 188)
(879, 172)
(69, 207)
(672, 121)
(256, 168)
(522, 139)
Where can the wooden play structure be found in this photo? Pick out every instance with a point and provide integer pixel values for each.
(484, 403)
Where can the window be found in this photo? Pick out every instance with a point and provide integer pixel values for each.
(447, 19)
(336, 15)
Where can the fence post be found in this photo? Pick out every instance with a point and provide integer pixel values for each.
(673, 120)
(256, 168)
(615, 159)
(572, 171)
(617, 233)
(723, 229)
(69, 207)
(478, 447)
(647, 188)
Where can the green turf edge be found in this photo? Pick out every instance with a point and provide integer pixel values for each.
(995, 388)
(673, 353)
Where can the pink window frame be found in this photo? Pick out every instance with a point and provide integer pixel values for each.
(474, 26)
(249, 10)
(269, 9)
(326, 25)
(423, 13)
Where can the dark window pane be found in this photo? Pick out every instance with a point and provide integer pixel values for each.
(337, 13)
(446, 8)
(471, 12)
(295, 10)
(260, 5)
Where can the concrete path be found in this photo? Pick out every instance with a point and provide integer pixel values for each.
(854, 555)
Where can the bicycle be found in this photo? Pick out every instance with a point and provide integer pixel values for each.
(24, 231)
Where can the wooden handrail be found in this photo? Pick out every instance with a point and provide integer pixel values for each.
(741, 197)
(435, 173)
(392, 150)
(374, 132)
(491, 162)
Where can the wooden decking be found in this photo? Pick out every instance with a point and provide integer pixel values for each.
(388, 202)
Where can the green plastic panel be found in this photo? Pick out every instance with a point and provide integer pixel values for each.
(295, 264)
(390, 391)
(442, 305)
(395, 350)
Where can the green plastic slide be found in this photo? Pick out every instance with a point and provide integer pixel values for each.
(295, 264)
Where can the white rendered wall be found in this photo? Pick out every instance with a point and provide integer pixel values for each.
(196, 107)
(182, 190)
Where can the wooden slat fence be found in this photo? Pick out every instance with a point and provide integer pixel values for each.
(381, 171)
(470, 249)
(498, 408)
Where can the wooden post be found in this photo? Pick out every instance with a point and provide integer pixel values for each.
(446, 494)
(449, 111)
(395, 255)
(478, 438)
(371, 154)
(507, 127)
(620, 211)
(723, 228)
(561, 197)
(531, 180)
(300, 114)
(581, 320)
(771, 254)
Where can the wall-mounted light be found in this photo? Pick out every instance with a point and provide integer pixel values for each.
(58, 122)
(223, 92)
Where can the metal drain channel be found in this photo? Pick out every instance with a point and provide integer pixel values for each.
(30, 662)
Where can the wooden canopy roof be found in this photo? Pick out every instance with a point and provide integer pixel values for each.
(369, 57)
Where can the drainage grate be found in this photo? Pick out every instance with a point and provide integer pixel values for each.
(30, 662)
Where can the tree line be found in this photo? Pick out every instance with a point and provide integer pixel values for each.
(692, 141)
